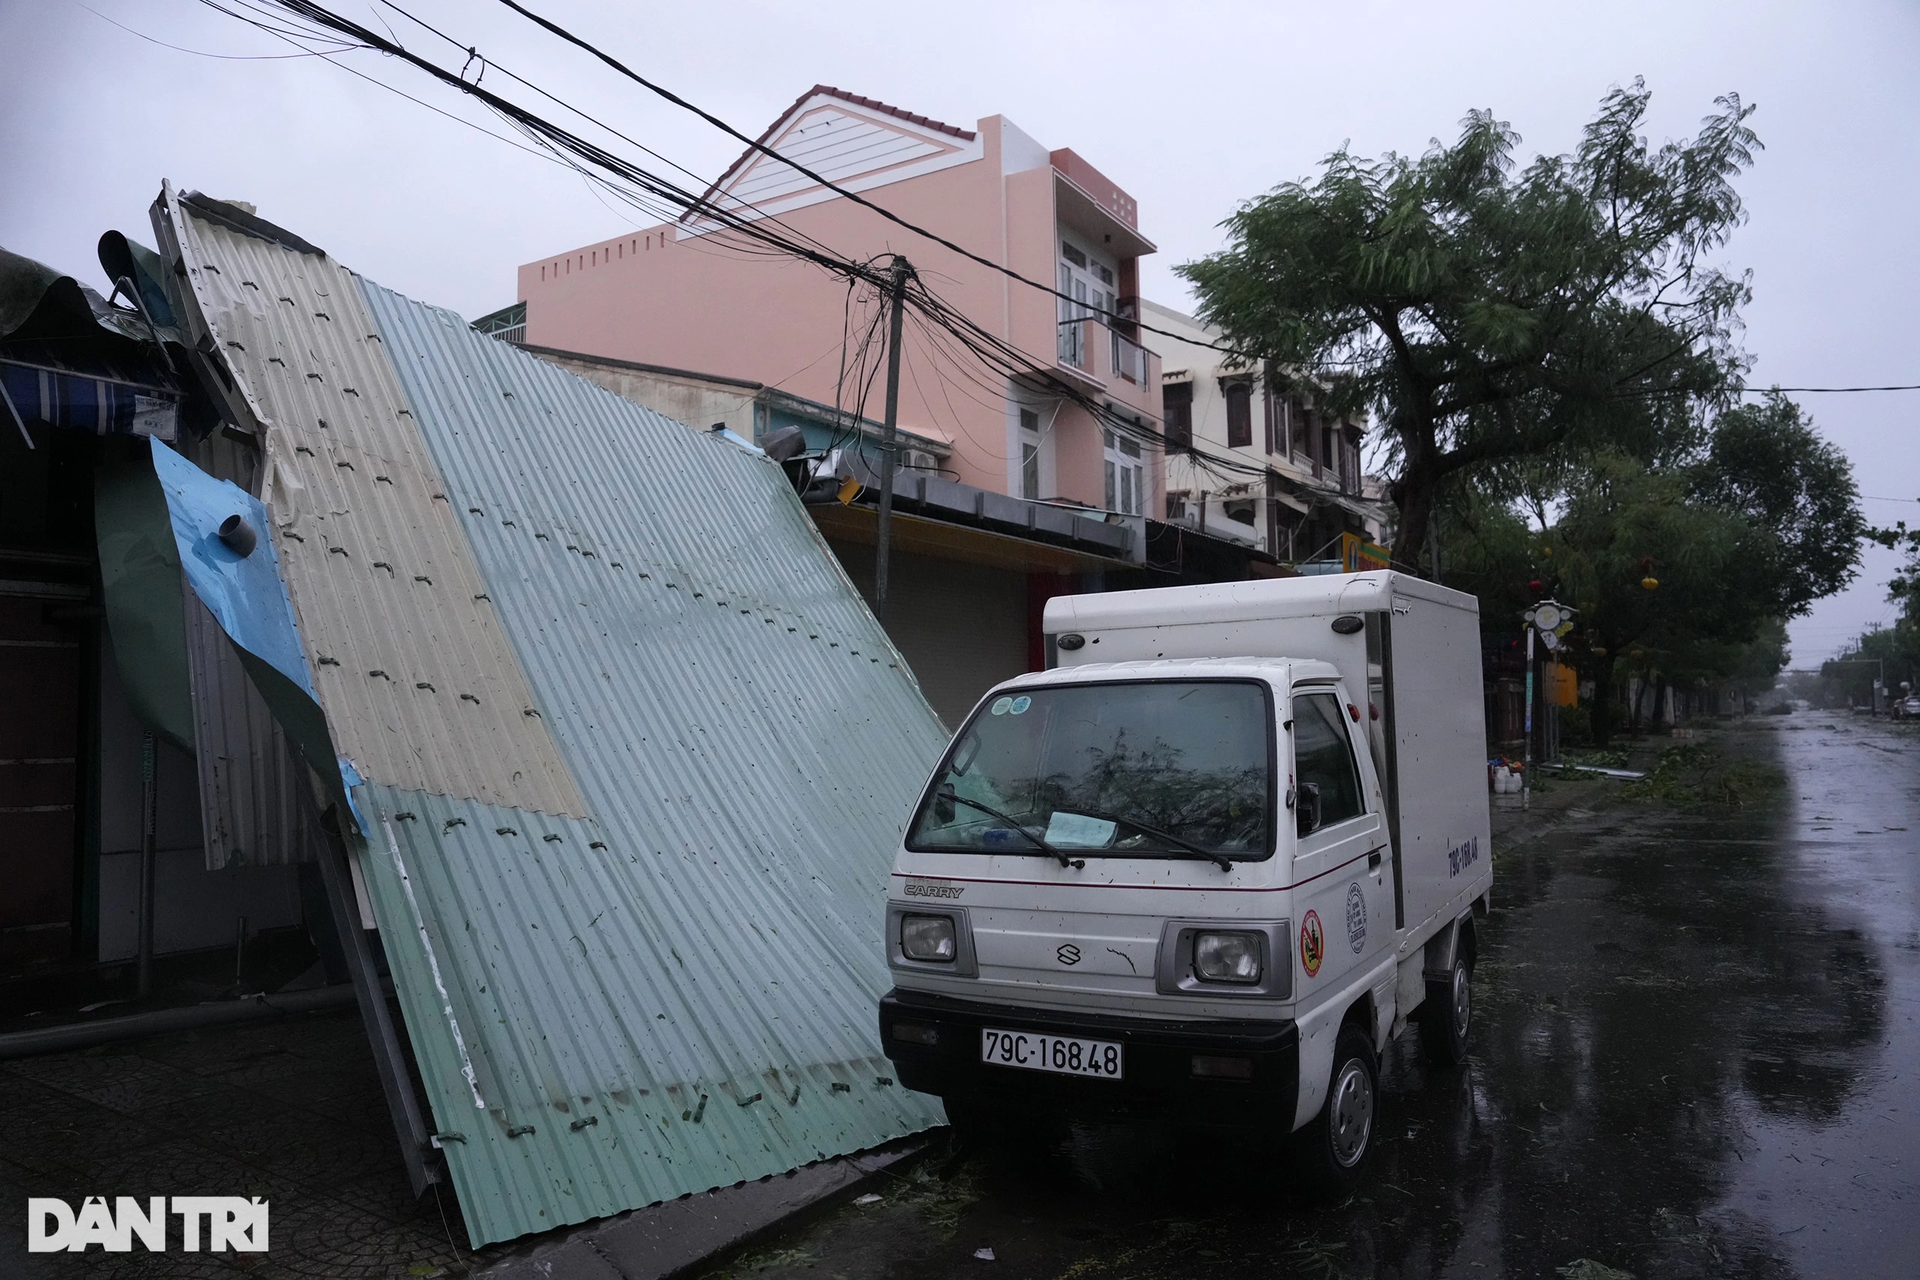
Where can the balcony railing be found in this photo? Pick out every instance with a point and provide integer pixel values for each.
(1103, 357)
(1129, 358)
(1075, 350)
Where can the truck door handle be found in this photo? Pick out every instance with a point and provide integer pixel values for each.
(1373, 860)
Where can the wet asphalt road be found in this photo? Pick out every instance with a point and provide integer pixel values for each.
(1698, 1054)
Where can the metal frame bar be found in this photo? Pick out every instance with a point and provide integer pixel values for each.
(389, 1055)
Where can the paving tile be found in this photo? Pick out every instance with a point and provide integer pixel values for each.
(364, 1110)
(312, 1083)
(302, 1149)
(19, 1091)
(388, 1195)
(124, 1082)
(62, 1132)
(220, 1104)
(320, 1241)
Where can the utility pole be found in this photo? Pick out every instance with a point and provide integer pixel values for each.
(883, 542)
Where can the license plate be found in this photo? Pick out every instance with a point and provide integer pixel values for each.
(1065, 1055)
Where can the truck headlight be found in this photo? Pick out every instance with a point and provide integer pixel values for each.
(927, 938)
(1227, 957)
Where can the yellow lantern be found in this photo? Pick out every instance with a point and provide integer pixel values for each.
(1649, 582)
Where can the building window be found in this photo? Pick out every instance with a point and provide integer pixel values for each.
(1178, 399)
(1029, 454)
(1239, 413)
(1240, 510)
(1126, 475)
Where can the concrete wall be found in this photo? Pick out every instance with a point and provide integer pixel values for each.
(699, 404)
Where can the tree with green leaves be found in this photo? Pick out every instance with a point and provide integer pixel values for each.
(1684, 569)
(1487, 315)
(1896, 648)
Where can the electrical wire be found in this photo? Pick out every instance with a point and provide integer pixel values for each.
(755, 144)
(1760, 391)
(643, 188)
(202, 53)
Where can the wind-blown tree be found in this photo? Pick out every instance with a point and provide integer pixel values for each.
(1897, 647)
(1486, 315)
(1621, 517)
(1767, 463)
(1739, 528)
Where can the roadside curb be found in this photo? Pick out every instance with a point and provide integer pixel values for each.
(1514, 825)
(678, 1236)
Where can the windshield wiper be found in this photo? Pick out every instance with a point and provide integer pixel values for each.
(1220, 860)
(1038, 843)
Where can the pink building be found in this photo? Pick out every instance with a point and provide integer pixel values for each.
(690, 295)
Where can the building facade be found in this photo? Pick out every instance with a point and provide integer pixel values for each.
(1266, 464)
(689, 294)
(1014, 486)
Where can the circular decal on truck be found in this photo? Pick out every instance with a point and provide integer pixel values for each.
(1356, 917)
(1313, 943)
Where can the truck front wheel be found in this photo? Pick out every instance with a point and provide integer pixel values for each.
(1335, 1146)
(1446, 1016)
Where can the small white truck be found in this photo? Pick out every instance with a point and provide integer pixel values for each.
(1211, 861)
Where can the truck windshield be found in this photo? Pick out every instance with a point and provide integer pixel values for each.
(1077, 766)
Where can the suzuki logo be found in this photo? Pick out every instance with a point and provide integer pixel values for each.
(1068, 954)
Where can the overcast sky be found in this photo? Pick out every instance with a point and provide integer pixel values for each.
(1191, 107)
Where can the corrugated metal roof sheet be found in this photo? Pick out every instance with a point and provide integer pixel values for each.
(674, 989)
(415, 672)
(249, 813)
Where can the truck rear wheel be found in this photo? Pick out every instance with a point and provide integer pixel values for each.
(1446, 1016)
(1334, 1148)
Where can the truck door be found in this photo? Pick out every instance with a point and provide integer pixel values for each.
(1345, 896)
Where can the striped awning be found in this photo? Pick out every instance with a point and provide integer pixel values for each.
(85, 401)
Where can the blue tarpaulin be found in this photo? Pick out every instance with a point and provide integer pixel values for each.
(248, 597)
(244, 593)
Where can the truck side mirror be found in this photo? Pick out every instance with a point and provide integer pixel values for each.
(943, 804)
(1307, 808)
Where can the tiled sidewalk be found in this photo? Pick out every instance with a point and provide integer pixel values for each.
(288, 1110)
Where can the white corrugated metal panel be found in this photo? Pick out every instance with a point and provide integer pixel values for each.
(417, 678)
(675, 988)
(249, 811)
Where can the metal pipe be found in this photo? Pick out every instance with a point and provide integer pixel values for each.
(134, 1026)
(149, 826)
(1526, 768)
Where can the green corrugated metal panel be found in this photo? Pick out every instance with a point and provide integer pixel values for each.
(744, 738)
(627, 1040)
(748, 744)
